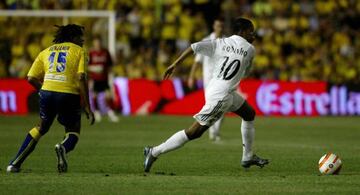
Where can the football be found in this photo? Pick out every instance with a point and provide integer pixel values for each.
(330, 164)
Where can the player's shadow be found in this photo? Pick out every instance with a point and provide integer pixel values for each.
(160, 173)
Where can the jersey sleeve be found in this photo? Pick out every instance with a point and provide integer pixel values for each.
(37, 68)
(83, 62)
(206, 48)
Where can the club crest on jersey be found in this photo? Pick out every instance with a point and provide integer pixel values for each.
(60, 67)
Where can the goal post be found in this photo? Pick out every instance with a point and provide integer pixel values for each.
(66, 14)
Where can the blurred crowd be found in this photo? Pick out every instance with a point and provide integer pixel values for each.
(296, 40)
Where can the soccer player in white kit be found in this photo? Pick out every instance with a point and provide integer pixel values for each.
(207, 69)
(232, 58)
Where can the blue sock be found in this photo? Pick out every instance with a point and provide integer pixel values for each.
(26, 148)
(70, 141)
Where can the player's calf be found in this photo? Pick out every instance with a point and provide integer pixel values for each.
(70, 141)
(25, 150)
(195, 131)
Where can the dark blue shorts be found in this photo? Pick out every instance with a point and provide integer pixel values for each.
(65, 106)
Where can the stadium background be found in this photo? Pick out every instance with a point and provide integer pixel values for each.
(297, 41)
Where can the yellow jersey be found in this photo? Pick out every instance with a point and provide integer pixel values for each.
(58, 66)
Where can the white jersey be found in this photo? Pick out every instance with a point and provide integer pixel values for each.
(231, 58)
(207, 66)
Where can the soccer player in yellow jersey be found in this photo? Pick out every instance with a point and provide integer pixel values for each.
(59, 74)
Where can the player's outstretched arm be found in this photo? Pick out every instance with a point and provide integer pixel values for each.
(172, 67)
(36, 83)
(84, 93)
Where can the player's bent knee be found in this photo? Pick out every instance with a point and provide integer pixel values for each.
(44, 126)
(73, 128)
(246, 112)
(250, 115)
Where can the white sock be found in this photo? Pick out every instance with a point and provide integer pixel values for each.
(248, 134)
(174, 142)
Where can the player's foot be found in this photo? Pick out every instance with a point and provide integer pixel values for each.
(255, 160)
(149, 158)
(12, 169)
(112, 116)
(61, 156)
(97, 116)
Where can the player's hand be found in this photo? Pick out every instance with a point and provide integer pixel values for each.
(169, 71)
(90, 115)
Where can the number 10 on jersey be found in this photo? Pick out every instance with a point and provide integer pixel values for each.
(229, 70)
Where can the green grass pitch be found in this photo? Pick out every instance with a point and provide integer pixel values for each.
(108, 158)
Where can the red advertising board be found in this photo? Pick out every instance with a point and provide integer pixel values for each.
(268, 98)
(14, 95)
(286, 98)
(141, 96)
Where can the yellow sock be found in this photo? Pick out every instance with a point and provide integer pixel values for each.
(34, 132)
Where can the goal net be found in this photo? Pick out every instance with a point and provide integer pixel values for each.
(24, 33)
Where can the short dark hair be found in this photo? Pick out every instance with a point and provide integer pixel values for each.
(67, 33)
(241, 24)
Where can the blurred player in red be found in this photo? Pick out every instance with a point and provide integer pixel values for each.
(100, 63)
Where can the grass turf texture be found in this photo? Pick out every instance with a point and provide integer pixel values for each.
(108, 158)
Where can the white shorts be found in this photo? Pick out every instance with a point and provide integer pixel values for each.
(215, 108)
